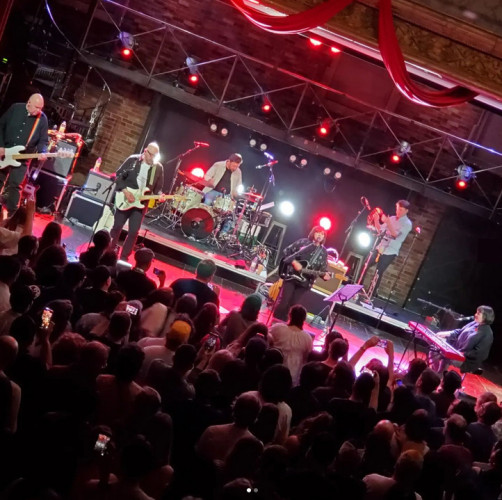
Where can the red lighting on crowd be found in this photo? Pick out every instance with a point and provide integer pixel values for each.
(395, 158)
(314, 42)
(193, 79)
(460, 184)
(198, 172)
(325, 223)
(126, 52)
(335, 50)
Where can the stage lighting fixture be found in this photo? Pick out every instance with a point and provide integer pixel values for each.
(403, 149)
(326, 171)
(338, 175)
(224, 131)
(364, 239)
(127, 44)
(335, 50)
(286, 208)
(252, 142)
(324, 128)
(213, 126)
(298, 160)
(325, 223)
(266, 106)
(315, 42)
(193, 78)
(198, 172)
(263, 146)
(217, 128)
(464, 176)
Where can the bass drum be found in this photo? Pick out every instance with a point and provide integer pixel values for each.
(192, 198)
(198, 222)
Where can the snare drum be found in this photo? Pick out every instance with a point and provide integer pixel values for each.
(198, 222)
(192, 198)
(224, 204)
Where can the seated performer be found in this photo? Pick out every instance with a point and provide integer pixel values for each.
(474, 340)
(137, 172)
(225, 177)
(314, 256)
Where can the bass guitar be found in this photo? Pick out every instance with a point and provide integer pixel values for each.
(13, 156)
(121, 202)
(287, 272)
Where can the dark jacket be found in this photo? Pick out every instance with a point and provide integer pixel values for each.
(476, 347)
(127, 175)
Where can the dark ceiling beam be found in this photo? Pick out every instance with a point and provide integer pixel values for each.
(282, 135)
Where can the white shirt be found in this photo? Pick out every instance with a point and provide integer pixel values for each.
(390, 245)
(143, 175)
(295, 345)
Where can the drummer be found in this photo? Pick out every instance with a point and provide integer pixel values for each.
(224, 178)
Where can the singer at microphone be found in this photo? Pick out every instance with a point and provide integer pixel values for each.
(223, 177)
(269, 164)
(473, 341)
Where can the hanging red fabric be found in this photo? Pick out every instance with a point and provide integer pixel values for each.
(389, 47)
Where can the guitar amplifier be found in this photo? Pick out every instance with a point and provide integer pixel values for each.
(83, 209)
(50, 189)
(62, 166)
(96, 186)
(330, 286)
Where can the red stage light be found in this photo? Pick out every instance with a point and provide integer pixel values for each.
(314, 42)
(193, 79)
(126, 52)
(198, 172)
(325, 223)
(324, 128)
(395, 158)
(460, 184)
(335, 50)
(266, 107)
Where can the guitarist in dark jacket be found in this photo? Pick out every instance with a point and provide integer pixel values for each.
(137, 172)
(303, 261)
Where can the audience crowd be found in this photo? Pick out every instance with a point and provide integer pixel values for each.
(116, 386)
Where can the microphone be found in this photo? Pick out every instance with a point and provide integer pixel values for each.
(465, 318)
(365, 203)
(201, 144)
(269, 164)
(98, 186)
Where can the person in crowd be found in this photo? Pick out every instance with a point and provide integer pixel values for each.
(337, 350)
(49, 265)
(10, 391)
(339, 384)
(11, 236)
(27, 248)
(23, 124)
(9, 271)
(156, 310)
(426, 384)
(445, 395)
(97, 323)
(254, 330)
(294, 343)
(415, 368)
(200, 286)
(205, 323)
(137, 174)
(481, 432)
(134, 283)
(21, 300)
(92, 298)
(101, 243)
(235, 322)
(51, 235)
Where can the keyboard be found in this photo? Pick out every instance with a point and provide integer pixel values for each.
(446, 350)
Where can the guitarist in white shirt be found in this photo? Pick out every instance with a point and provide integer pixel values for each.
(311, 252)
(138, 172)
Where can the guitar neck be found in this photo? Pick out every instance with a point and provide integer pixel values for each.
(155, 197)
(33, 155)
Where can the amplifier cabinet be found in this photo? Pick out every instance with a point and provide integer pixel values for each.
(50, 189)
(96, 186)
(83, 209)
(334, 283)
(62, 166)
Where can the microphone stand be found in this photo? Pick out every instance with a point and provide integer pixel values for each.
(350, 229)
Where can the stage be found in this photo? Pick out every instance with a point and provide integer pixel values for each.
(178, 257)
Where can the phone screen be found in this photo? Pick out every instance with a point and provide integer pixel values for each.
(46, 317)
(101, 444)
(156, 271)
(131, 310)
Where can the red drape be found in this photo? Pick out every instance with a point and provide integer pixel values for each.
(389, 47)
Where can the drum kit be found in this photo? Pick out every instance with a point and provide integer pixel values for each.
(227, 223)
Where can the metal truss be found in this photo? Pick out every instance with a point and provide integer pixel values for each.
(362, 135)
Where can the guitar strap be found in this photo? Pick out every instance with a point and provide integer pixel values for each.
(314, 256)
(33, 129)
(152, 174)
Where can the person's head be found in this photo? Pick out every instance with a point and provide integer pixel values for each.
(338, 349)
(489, 413)
(455, 429)
(101, 277)
(417, 426)
(51, 235)
(243, 459)
(246, 409)
(205, 270)
(159, 296)
(186, 304)
(312, 375)
(483, 398)
(404, 404)
(297, 316)
(109, 258)
(150, 153)
(27, 246)
(464, 408)
(207, 385)
(66, 349)
(384, 428)
(206, 319)
(428, 382)
(402, 207)
(23, 329)
(254, 330)
(415, 368)
(9, 269)
(219, 359)
(8, 351)
(93, 358)
(408, 468)
(102, 240)
(136, 459)
(266, 423)
(255, 348)
(375, 365)
(144, 258)
(62, 310)
(21, 299)
(74, 275)
(484, 315)
(250, 307)
(178, 334)
(112, 300)
(35, 104)
(317, 235)
(451, 382)
(184, 358)
(234, 162)
(342, 378)
(275, 384)
(271, 357)
(363, 386)
(128, 364)
(158, 431)
(51, 256)
(120, 326)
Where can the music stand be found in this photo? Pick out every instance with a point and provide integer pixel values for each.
(343, 294)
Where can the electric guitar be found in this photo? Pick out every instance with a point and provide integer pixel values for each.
(12, 156)
(121, 202)
(287, 272)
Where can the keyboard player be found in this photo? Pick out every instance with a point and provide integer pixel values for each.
(474, 341)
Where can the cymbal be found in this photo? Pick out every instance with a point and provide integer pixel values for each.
(195, 180)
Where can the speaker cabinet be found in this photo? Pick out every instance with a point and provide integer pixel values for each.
(96, 186)
(62, 166)
(334, 283)
(84, 210)
(50, 189)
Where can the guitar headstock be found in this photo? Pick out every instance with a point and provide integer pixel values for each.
(65, 153)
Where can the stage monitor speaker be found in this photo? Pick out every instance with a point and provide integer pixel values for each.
(51, 189)
(96, 186)
(335, 282)
(62, 166)
(84, 210)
